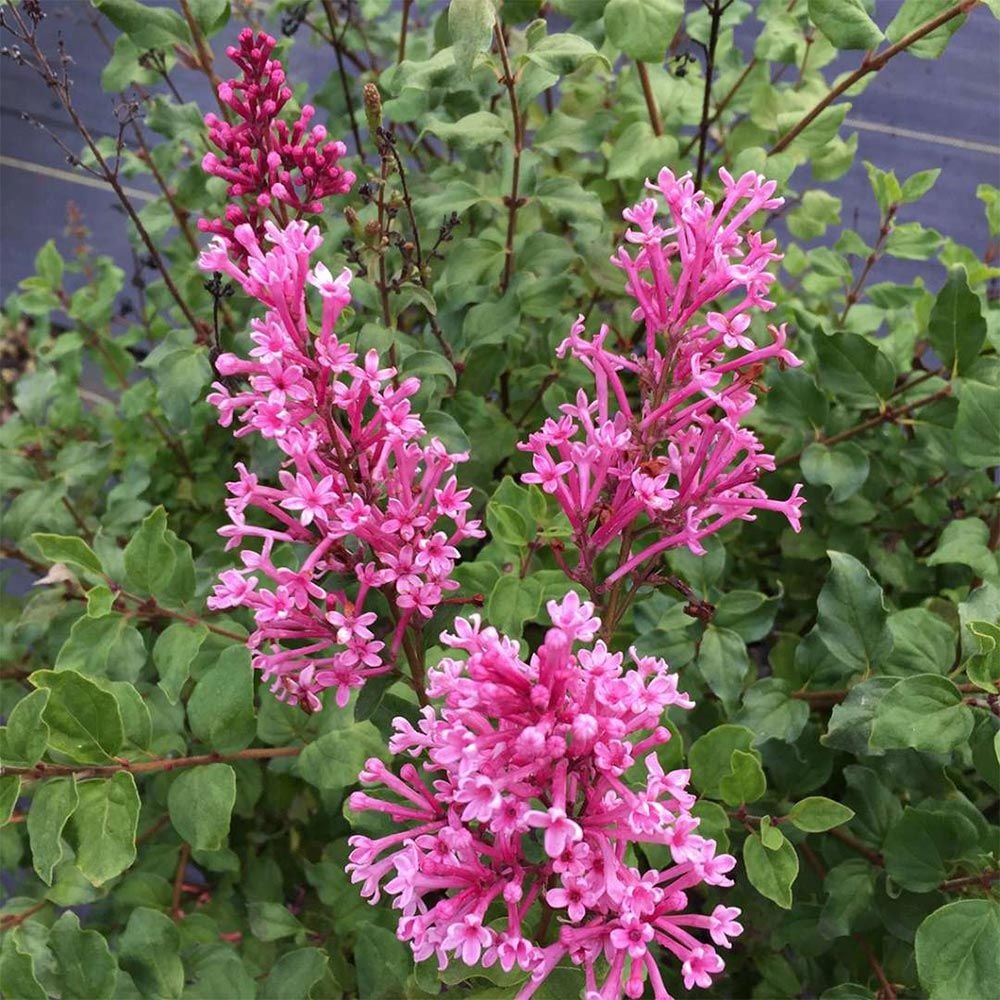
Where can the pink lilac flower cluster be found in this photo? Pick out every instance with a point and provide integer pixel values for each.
(659, 445)
(273, 170)
(537, 779)
(364, 494)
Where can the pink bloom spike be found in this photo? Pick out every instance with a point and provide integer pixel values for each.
(525, 757)
(679, 466)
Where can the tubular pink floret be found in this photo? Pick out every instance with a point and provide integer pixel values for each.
(345, 502)
(271, 169)
(678, 466)
(527, 762)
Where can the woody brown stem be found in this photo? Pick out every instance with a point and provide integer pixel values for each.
(512, 200)
(871, 64)
(41, 771)
(655, 119)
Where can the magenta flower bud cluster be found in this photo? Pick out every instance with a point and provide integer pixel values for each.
(366, 503)
(272, 169)
(657, 449)
(537, 776)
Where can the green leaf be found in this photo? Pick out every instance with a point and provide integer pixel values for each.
(844, 468)
(49, 266)
(748, 613)
(175, 648)
(470, 23)
(51, 807)
(147, 27)
(816, 814)
(745, 781)
(920, 845)
(983, 667)
(17, 969)
(724, 663)
(924, 712)
(876, 808)
(383, 963)
(912, 241)
(100, 601)
(10, 791)
(103, 647)
(211, 15)
(294, 974)
(770, 836)
(201, 804)
(958, 950)
(771, 873)
(914, 14)
(845, 23)
(643, 29)
(850, 892)
(220, 709)
(84, 721)
(917, 185)
(851, 615)
(481, 128)
(923, 643)
(560, 54)
(105, 821)
(853, 368)
(957, 327)
(710, 757)
(966, 542)
(851, 721)
(149, 557)
(977, 426)
(24, 738)
(817, 134)
(148, 949)
(770, 711)
(814, 215)
(86, 966)
(69, 551)
(508, 525)
(271, 921)
(335, 760)
(512, 602)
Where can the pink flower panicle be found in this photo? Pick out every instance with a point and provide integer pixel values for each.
(363, 492)
(678, 462)
(272, 169)
(537, 777)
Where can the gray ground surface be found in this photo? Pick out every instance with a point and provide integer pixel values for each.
(915, 114)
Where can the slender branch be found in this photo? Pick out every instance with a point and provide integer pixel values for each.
(418, 253)
(182, 862)
(655, 119)
(12, 920)
(60, 85)
(41, 771)
(206, 60)
(722, 105)
(984, 879)
(715, 12)
(827, 699)
(849, 840)
(855, 291)
(512, 201)
(887, 992)
(871, 64)
(407, 4)
(889, 415)
(338, 52)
